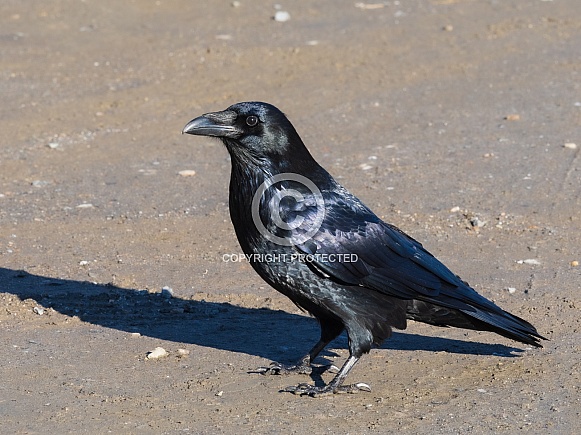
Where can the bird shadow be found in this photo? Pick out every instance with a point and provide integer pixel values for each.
(270, 334)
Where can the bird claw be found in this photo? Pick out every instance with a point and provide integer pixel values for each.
(301, 369)
(313, 391)
(282, 369)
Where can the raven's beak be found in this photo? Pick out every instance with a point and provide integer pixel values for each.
(217, 124)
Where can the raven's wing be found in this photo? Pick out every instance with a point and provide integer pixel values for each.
(354, 247)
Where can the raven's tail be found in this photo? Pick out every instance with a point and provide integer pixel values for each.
(478, 316)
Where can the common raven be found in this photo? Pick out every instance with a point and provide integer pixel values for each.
(319, 245)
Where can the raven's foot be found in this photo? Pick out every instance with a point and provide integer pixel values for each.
(313, 391)
(283, 369)
(300, 368)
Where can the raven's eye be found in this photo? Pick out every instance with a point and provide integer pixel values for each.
(251, 121)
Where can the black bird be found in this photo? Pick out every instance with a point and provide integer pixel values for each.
(319, 245)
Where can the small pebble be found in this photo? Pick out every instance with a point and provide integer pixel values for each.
(448, 28)
(135, 334)
(187, 173)
(571, 145)
(219, 393)
(365, 166)
(455, 209)
(369, 5)
(167, 292)
(477, 223)
(38, 310)
(39, 183)
(512, 117)
(53, 145)
(511, 290)
(85, 205)
(83, 263)
(529, 261)
(183, 352)
(574, 263)
(158, 352)
(281, 16)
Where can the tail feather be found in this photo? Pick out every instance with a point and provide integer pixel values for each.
(476, 318)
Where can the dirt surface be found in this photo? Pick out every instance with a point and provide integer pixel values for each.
(449, 118)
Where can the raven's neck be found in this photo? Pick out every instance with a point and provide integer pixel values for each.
(247, 177)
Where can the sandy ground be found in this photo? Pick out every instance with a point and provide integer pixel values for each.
(448, 117)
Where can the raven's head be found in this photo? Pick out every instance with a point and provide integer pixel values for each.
(254, 133)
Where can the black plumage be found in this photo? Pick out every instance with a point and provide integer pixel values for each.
(329, 253)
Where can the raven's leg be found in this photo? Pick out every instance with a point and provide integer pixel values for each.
(360, 340)
(335, 386)
(330, 329)
(302, 366)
